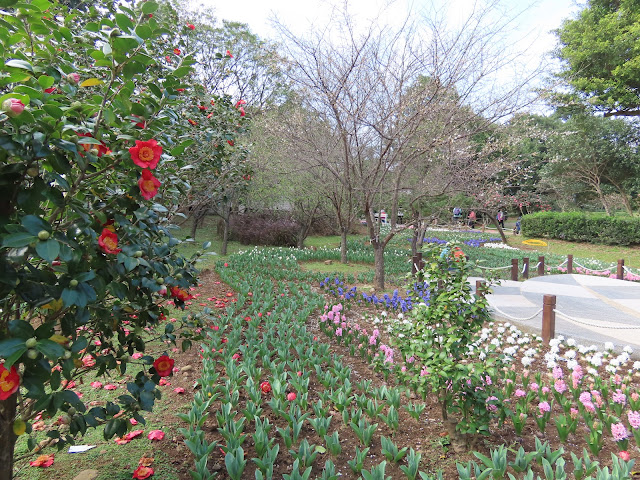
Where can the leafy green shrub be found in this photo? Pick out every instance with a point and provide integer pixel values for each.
(582, 227)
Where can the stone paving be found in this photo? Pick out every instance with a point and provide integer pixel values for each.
(599, 309)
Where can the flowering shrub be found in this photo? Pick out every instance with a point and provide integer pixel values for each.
(90, 166)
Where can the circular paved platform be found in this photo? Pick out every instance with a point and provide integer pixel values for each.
(600, 309)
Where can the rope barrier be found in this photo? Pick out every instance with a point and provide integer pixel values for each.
(560, 264)
(575, 320)
(494, 268)
(537, 265)
(510, 317)
(608, 269)
(628, 270)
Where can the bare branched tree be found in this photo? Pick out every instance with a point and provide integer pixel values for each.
(402, 100)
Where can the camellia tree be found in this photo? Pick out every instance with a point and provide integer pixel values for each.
(91, 134)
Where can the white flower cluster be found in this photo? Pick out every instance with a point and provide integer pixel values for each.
(503, 246)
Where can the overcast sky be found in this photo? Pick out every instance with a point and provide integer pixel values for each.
(534, 20)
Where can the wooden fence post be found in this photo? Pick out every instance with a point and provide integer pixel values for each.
(541, 266)
(525, 268)
(480, 288)
(548, 318)
(569, 264)
(620, 272)
(514, 269)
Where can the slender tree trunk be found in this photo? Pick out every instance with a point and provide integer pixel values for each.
(343, 244)
(198, 220)
(7, 437)
(225, 236)
(500, 231)
(378, 255)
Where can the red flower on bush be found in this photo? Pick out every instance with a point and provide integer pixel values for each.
(142, 123)
(148, 184)
(265, 387)
(177, 51)
(142, 472)
(193, 122)
(108, 241)
(180, 294)
(9, 381)
(163, 365)
(241, 110)
(229, 54)
(230, 142)
(146, 154)
(240, 102)
(191, 26)
(101, 148)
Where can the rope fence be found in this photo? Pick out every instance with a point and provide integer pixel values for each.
(620, 269)
(588, 324)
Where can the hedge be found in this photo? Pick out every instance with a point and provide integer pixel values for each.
(582, 227)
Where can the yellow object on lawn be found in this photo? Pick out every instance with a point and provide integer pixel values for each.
(532, 242)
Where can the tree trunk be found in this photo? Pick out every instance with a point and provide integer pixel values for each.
(198, 220)
(225, 236)
(7, 437)
(378, 254)
(500, 231)
(343, 245)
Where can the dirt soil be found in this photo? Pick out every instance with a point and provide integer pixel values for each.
(427, 436)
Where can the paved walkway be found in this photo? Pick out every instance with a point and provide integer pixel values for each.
(600, 309)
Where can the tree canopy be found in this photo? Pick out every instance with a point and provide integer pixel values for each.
(601, 56)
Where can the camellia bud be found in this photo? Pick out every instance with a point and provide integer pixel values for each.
(12, 107)
(73, 78)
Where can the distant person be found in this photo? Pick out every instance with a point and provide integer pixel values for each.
(457, 214)
(516, 229)
(500, 217)
(472, 219)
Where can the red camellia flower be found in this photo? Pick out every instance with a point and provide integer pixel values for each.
(50, 90)
(108, 241)
(241, 110)
(148, 184)
(42, 461)
(291, 396)
(101, 148)
(230, 142)
(168, 59)
(192, 122)
(191, 26)
(146, 154)
(229, 54)
(265, 387)
(156, 435)
(142, 123)
(180, 90)
(12, 107)
(177, 51)
(240, 102)
(163, 365)
(458, 254)
(9, 381)
(202, 108)
(180, 294)
(142, 472)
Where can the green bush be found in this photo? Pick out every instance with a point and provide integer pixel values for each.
(582, 227)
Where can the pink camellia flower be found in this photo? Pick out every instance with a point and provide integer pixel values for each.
(136, 356)
(156, 435)
(96, 384)
(291, 396)
(178, 390)
(133, 421)
(110, 386)
(12, 107)
(73, 78)
(624, 455)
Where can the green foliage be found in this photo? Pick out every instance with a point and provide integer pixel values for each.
(87, 259)
(583, 227)
(600, 51)
(440, 337)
